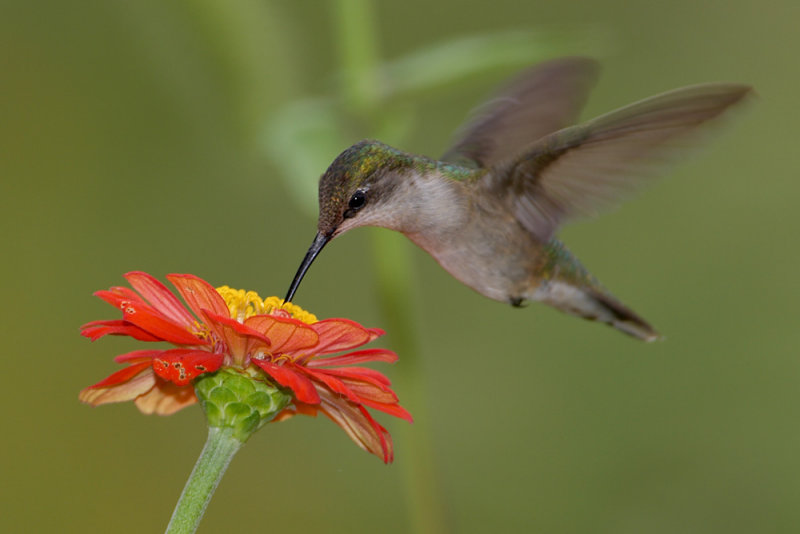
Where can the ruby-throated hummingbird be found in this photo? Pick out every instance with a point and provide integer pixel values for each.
(489, 209)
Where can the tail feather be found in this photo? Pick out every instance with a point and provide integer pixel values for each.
(595, 305)
(623, 318)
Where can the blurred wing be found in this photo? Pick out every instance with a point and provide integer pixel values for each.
(585, 169)
(540, 101)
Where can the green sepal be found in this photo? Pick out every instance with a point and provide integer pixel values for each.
(241, 401)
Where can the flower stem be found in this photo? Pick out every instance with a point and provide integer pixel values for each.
(211, 465)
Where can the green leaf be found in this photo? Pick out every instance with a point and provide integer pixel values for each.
(301, 140)
(455, 60)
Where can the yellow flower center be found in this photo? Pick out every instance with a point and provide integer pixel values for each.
(243, 304)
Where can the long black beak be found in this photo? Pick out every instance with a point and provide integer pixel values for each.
(316, 246)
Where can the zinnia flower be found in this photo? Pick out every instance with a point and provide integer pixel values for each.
(236, 330)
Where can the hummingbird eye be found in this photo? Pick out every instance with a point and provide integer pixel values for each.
(357, 202)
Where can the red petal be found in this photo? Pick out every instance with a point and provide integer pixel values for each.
(136, 311)
(357, 391)
(122, 392)
(121, 376)
(199, 294)
(162, 327)
(393, 409)
(123, 292)
(360, 389)
(361, 356)
(137, 356)
(241, 340)
(97, 329)
(359, 373)
(160, 297)
(359, 425)
(285, 333)
(362, 386)
(181, 366)
(302, 387)
(332, 384)
(341, 334)
(119, 297)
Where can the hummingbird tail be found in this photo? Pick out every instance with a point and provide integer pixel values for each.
(623, 318)
(595, 305)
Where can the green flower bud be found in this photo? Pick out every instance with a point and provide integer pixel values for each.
(241, 400)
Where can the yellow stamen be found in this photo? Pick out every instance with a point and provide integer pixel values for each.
(200, 330)
(243, 304)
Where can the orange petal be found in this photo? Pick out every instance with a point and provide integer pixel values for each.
(341, 334)
(166, 398)
(285, 333)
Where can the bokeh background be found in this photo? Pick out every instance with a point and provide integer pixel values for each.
(187, 136)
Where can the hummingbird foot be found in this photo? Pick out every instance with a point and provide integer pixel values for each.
(517, 302)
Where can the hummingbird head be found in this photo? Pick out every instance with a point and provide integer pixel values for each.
(359, 182)
(354, 192)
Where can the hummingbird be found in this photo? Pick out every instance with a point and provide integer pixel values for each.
(489, 209)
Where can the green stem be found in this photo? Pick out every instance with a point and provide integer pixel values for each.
(358, 48)
(395, 287)
(214, 460)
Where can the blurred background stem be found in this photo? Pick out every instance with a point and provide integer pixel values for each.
(361, 91)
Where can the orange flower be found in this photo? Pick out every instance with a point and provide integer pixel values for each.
(233, 329)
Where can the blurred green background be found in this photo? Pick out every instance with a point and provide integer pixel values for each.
(141, 135)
